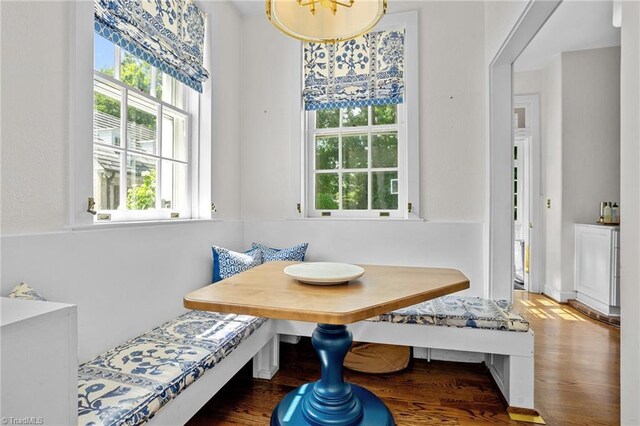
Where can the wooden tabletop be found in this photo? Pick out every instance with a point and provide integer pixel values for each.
(266, 291)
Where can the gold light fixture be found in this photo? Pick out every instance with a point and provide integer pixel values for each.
(325, 21)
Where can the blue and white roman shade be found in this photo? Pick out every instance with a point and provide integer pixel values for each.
(169, 34)
(367, 70)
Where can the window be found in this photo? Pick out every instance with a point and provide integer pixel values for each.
(354, 165)
(141, 158)
(360, 135)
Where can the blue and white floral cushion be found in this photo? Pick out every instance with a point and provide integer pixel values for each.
(460, 311)
(270, 254)
(131, 382)
(23, 291)
(227, 263)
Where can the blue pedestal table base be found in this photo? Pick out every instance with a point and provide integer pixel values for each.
(331, 401)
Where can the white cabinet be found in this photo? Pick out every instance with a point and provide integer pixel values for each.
(39, 362)
(597, 267)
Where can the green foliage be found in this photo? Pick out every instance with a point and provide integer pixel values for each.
(327, 118)
(143, 197)
(326, 152)
(384, 114)
(134, 72)
(327, 191)
(358, 116)
(355, 152)
(106, 104)
(384, 150)
(381, 196)
(354, 191)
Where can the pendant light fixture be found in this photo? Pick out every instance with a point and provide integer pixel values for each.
(325, 21)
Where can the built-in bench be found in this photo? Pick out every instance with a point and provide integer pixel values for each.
(198, 352)
(130, 383)
(457, 323)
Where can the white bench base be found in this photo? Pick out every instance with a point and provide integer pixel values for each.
(509, 356)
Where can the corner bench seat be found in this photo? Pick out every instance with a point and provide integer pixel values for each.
(460, 311)
(131, 382)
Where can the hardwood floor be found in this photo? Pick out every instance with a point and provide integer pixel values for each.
(577, 380)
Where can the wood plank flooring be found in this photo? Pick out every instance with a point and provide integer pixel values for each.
(577, 380)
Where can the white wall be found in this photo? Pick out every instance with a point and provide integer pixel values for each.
(590, 143)
(630, 210)
(413, 243)
(527, 82)
(226, 60)
(112, 273)
(35, 78)
(452, 146)
(551, 111)
(125, 281)
(499, 19)
(452, 142)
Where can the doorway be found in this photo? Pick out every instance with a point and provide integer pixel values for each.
(527, 230)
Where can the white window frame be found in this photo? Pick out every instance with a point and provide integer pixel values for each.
(81, 81)
(302, 199)
(370, 129)
(158, 212)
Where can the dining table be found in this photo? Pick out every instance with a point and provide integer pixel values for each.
(266, 291)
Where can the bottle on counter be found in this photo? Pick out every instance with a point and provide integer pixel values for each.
(607, 213)
(615, 213)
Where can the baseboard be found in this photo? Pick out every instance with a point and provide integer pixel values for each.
(557, 295)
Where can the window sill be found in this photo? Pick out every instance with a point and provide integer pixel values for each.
(135, 224)
(352, 219)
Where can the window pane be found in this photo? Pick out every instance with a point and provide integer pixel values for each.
(135, 72)
(384, 190)
(174, 139)
(355, 116)
(384, 150)
(354, 191)
(354, 152)
(327, 118)
(384, 114)
(327, 191)
(326, 152)
(173, 193)
(106, 114)
(157, 80)
(169, 89)
(141, 124)
(141, 182)
(104, 55)
(106, 178)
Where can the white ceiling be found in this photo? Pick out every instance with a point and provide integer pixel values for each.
(250, 7)
(575, 25)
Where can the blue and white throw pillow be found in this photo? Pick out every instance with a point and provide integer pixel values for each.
(270, 254)
(227, 263)
(23, 291)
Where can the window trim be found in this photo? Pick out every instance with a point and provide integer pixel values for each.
(299, 158)
(81, 76)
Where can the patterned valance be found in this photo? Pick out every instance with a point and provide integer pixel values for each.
(368, 70)
(169, 34)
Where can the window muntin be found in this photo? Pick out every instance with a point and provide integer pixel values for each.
(141, 140)
(355, 161)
